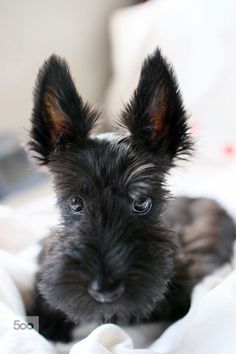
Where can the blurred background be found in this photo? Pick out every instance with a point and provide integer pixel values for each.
(105, 42)
(30, 31)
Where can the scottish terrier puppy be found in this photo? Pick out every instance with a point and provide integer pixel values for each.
(123, 251)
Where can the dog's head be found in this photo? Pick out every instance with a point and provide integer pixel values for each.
(111, 254)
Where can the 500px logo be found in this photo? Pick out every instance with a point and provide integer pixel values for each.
(19, 323)
(23, 325)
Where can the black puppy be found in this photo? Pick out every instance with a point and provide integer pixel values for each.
(122, 251)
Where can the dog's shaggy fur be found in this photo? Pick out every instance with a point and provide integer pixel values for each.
(122, 251)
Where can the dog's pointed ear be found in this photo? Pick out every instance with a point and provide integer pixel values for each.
(60, 119)
(155, 116)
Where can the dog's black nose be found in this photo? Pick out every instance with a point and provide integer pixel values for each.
(108, 293)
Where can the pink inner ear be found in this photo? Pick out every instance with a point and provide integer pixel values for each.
(158, 119)
(56, 118)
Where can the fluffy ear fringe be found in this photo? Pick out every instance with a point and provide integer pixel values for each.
(155, 116)
(59, 119)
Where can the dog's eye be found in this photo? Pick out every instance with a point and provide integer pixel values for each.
(75, 205)
(142, 205)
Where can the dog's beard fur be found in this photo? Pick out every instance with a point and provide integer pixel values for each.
(108, 239)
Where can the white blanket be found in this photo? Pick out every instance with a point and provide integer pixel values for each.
(209, 327)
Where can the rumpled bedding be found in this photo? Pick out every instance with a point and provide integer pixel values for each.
(209, 327)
